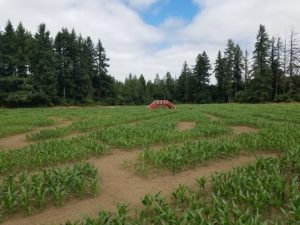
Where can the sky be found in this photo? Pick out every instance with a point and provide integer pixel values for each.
(155, 36)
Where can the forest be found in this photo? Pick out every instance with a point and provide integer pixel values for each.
(68, 69)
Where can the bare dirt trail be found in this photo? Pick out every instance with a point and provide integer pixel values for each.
(19, 140)
(121, 185)
(243, 129)
(182, 126)
(212, 117)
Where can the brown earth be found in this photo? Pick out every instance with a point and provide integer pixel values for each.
(243, 129)
(182, 126)
(212, 117)
(121, 185)
(19, 140)
(73, 134)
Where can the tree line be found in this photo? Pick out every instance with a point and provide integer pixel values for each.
(38, 70)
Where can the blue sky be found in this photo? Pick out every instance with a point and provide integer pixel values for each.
(160, 11)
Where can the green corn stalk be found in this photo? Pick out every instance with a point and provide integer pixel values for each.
(38, 192)
(25, 198)
(10, 196)
(58, 194)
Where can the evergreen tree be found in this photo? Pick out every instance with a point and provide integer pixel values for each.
(246, 70)
(64, 64)
(201, 76)
(220, 74)
(294, 64)
(183, 92)
(142, 89)
(90, 65)
(149, 92)
(1, 54)
(229, 69)
(80, 73)
(23, 41)
(103, 83)
(170, 86)
(8, 50)
(159, 88)
(262, 82)
(275, 64)
(237, 70)
(43, 67)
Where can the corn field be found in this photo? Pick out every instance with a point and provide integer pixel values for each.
(265, 192)
(53, 169)
(28, 193)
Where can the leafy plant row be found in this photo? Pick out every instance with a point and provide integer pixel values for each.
(95, 123)
(49, 153)
(46, 134)
(28, 193)
(178, 157)
(160, 130)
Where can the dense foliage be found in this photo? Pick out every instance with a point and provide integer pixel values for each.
(69, 69)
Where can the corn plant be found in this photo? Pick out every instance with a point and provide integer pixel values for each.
(50, 153)
(35, 192)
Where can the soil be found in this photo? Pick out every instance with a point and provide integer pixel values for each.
(243, 129)
(73, 134)
(19, 140)
(212, 117)
(120, 185)
(182, 126)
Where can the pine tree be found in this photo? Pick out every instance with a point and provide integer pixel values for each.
(80, 73)
(246, 70)
(275, 63)
(8, 50)
(63, 70)
(159, 88)
(262, 82)
(142, 89)
(229, 69)
(1, 55)
(43, 67)
(90, 64)
(237, 70)
(201, 76)
(294, 64)
(170, 86)
(183, 91)
(23, 44)
(220, 75)
(103, 83)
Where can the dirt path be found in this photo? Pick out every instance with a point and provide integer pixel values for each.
(243, 129)
(19, 140)
(212, 117)
(182, 126)
(121, 185)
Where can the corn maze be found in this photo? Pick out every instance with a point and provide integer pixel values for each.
(130, 165)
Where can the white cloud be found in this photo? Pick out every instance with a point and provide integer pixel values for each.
(141, 4)
(136, 47)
